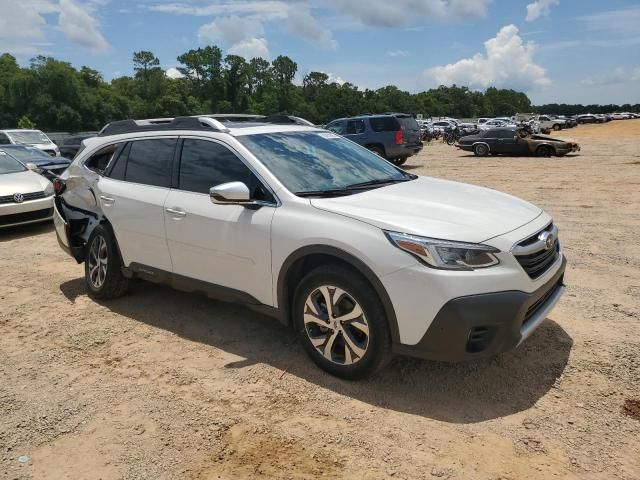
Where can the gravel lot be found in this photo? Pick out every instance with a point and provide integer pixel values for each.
(162, 384)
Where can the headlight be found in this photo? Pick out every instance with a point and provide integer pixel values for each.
(445, 254)
(48, 191)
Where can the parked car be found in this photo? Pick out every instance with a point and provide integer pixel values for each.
(395, 137)
(494, 123)
(25, 196)
(72, 143)
(620, 116)
(303, 224)
(548, 123)
(42, 163)
(587, 118)
(502, 141)
(31, 138)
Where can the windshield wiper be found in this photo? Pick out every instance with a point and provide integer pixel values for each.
(379, 183)
(335, 192)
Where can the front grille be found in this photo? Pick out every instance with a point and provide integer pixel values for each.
(25, 217)
(538, 304)
(536, 261)
(25, 197)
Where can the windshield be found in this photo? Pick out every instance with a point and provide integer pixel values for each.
(9, 164)
(30, 137)
(26, 154)
(318, 161)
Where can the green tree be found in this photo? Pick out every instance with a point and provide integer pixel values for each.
(24, 122)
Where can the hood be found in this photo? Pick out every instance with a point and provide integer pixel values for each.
(549, 139)
(22, 182)
(435, 208)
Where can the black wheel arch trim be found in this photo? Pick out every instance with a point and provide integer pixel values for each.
(284, 302)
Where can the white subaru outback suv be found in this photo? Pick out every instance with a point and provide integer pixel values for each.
(361, 258)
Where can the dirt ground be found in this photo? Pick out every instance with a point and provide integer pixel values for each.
(165, 385)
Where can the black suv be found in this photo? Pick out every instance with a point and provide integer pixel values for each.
(394, 136)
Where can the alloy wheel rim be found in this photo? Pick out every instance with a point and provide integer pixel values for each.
(336, 325)
(98, 260)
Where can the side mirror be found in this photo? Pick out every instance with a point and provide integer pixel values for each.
(232, 193)
(31, 166)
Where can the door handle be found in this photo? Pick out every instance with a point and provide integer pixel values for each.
(176, 212)
(108, 201)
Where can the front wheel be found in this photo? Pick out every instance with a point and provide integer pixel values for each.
(398, 162)
(544, 151)
(341, 322)
(102, 266)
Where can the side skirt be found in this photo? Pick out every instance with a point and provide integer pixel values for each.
(191, 285)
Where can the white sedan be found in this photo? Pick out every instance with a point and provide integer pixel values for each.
(25, 196)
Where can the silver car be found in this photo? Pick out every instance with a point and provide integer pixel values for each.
(25, 196)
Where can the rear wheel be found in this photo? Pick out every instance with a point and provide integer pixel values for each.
(481, 150)
(341, 322)
(102, 266)
(399, 161)
(544, 151)
(556, 126)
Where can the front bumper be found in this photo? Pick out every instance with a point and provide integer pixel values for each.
(32, 211)
(484, 325)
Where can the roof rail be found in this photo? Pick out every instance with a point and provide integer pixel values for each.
(158, 124)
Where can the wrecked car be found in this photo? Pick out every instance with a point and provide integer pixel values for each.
(509, 141)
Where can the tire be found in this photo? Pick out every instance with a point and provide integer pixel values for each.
(480, 150)
(544, 151)
(358, 346)
(377, 150)
(557, 127)
(398, 162)
(103, 266)
(451, 140)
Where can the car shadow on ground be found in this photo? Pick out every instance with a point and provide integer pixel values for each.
(20, 231)
(458, 393)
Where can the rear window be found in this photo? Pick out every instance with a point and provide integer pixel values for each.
(383, 124)
(408, 123)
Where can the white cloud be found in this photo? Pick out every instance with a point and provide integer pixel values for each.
(231, 30)
(79, 26)
(265, 10)
(23, 30)
(397, 53)
(612, 77)
(507, 63)
(174, 73)
(540, 8)
(334, 78)
(623, 21)
(251, 48)
(302, 24)
(384, 13)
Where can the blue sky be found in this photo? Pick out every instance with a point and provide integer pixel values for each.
(573, 51)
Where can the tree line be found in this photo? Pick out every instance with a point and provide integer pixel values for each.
(55, 96)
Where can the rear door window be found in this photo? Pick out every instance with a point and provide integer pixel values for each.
(383, 124)
(149, 162)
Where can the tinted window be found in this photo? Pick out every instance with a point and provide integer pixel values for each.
(408, 123)
(149, 162)
(206, 164)
(119, 162)
(99, 161)
(355, 126)
(337, 127)
(383, 124)
(506, 134)
(4, 140)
